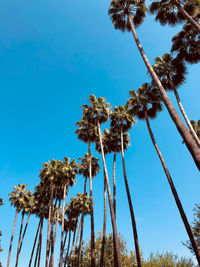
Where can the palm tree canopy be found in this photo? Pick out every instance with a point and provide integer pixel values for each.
(84, 166)
(146, 99)
(86, 132)
(167, 67)
(166, 11)
(120, 9)
(187, 44)
(196, 126)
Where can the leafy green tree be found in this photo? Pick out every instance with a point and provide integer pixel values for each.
(126, 15)
(145, 104)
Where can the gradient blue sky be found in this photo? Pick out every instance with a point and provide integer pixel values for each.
(53, 55)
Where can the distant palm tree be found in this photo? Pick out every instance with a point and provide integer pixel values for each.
(172, 72)
(196, 127)
(126, 15)
(186, 44)
(145, 103)
(172, 12)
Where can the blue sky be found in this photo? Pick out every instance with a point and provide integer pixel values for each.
(54, 54)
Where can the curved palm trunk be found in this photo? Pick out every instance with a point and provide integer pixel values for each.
(67, 254)
(11, 239)
(187, 16)
(40, 241)
(104, 224)
(19, 240)
(48, 227)
(190, 143)
(194, 135)
(137, 249)
(39, 224)
(91, 211)
(175, 194)
(115, 234)
(62, 226)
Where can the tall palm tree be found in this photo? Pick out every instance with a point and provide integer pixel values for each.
(145, 103)
(121, 121)
(126, 15)
(17, 200)
(186, 44)
(95, 114)
(87, 134)
(172, 72)
(172, 12)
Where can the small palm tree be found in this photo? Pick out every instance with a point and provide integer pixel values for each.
(196, 127)
(126, 15)
(172, 74)
(172, 12)
(145, 104)
(186, 44)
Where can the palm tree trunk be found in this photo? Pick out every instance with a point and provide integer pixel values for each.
(104, 224)
(65, 240)
(11, 239)
(40, 241)
(194, 135)
(72, 248)
(190, 143)
(19, 240)
(114, 205)
(187, 16)
(67, 254)
(137, 249)
(175, 194)
(37, 254)
(51, 262)
(115, 234)
(77, 238)
(34, 243)
(62, 226)
(48, 227)
(54, 240)
(91, 211)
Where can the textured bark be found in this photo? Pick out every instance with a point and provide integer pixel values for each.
(137, 248)
(11, 239)
(40, 241)
(62, 226)
(39, 224)
(192, 131)
(19, 240)
(190, 143)
(115, 234)
(175, 194)
(91, 211)
(187, 16)
(104, 224)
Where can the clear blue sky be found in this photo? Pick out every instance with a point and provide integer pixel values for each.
(53, 55)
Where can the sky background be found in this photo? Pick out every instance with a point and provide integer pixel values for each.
(53, 55)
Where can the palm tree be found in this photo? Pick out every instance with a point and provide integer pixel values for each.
(172, 74)
(121, 121)
(95, 114)
(172, 12)
(196, 127)
(186, 44)
(145, 103)
(17, 200)
(125, 15)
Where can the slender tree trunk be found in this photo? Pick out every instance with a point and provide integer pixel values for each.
(40, 241)
(48, 227)
(53, 208)
(137, 248)
(11, 239)
(187, 16)
(91, 211)
(72, 248)
(192, 131)
(65, 240)
(54, 240)
(114, 205)
(37, 254)
(77, 238)
(67, 254)
(190, 143)
(19, 240)
(104, 224)
(175, 194)
(81, 235)
(39, 224)
(115, 234)
(62, 226)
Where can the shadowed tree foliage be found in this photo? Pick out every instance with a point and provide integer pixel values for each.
(196, 127)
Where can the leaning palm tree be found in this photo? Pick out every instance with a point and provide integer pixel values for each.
(186, 44)
(126, 15)
(96, 113)
(17, 200)
(172, 12)
(121, 121)
(145, 103)
(172, 72)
